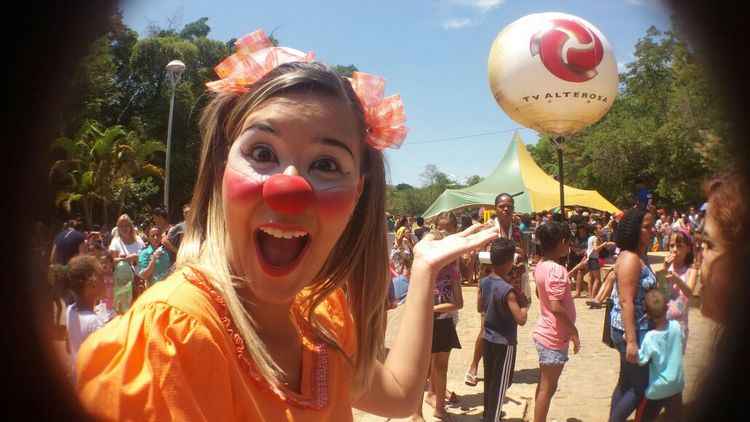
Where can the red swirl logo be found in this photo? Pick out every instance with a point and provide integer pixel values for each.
(569, 50)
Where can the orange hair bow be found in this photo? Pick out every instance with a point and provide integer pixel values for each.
(385, 117)
(256, 56)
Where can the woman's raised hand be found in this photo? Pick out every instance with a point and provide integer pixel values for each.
(669, 259)
(436, 254)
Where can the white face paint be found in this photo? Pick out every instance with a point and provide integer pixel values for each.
(307, 136)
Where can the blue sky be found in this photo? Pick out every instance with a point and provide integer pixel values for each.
(434, 53)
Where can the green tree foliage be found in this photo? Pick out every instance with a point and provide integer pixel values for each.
(122, 83)
(196, 30)
(404, 199)
(345, 70)
(98, 167)
(665, 129)
(473, 180)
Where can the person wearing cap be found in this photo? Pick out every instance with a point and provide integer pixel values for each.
(68, 243)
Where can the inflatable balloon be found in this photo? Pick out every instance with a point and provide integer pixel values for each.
(553, 72)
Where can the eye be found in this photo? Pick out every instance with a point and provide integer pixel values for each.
(262, 154)
(326, 165)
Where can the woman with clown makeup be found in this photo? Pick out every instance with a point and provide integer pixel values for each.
(277, 308)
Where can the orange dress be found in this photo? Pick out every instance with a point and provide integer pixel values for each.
(176, 356)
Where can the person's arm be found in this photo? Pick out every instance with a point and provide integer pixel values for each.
(141, 344)
(555, 306)
(558, 290)
(397, 385)
(480, 299)
(168, 243)
(132, 258)
(580, 265)
(445, 307)
(644, 353)
(147, 265)
(116, 252)
(628, 272)
(519, 314)
(603, 245)
(521, 248)
(687, 288)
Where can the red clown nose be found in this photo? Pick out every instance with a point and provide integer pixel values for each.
(287, 194)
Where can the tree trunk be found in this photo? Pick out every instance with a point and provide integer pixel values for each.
(105, 213)
(87, 209)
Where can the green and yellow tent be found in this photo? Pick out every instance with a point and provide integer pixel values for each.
(517, 172)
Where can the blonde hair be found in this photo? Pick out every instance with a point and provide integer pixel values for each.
(358, 262)
(133, 232)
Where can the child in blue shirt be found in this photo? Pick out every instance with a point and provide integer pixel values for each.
(504, 310)
(661, 349)
(399, 286)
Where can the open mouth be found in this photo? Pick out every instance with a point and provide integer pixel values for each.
(280, 249)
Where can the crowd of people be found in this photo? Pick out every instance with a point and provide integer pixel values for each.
(98, 273)
(560, 254)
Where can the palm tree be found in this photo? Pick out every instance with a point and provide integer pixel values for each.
(99, 165)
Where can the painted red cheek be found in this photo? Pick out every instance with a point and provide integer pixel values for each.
(336, 203)
(239, 187)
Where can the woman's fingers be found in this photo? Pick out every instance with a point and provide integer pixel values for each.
(480, 238)
(474, 228)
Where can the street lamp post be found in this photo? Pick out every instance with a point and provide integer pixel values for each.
(174, 73)
(559, 141)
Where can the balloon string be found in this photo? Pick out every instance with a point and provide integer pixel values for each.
(431, 141)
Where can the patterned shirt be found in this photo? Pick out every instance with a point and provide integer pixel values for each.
(443, 292)
(646, 282)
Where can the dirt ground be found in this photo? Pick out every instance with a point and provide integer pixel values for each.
(586, 384)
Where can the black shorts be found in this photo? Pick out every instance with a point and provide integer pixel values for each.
(593, 264)
(444, 336)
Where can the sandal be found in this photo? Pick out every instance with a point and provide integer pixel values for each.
(470, 379)
(452, 398)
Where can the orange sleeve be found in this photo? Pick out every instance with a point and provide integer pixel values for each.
(155, 363)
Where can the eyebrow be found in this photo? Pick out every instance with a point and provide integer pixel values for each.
(266, 127)
(335, 143)
(263, 127)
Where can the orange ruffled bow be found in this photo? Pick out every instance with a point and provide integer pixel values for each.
(256, 56)
(385, 117)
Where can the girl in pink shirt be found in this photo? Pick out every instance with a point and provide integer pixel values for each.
(681, 278)
(556, 325)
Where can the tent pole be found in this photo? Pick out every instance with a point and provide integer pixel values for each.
(559, 141)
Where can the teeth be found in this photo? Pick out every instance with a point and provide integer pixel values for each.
(283, 234)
